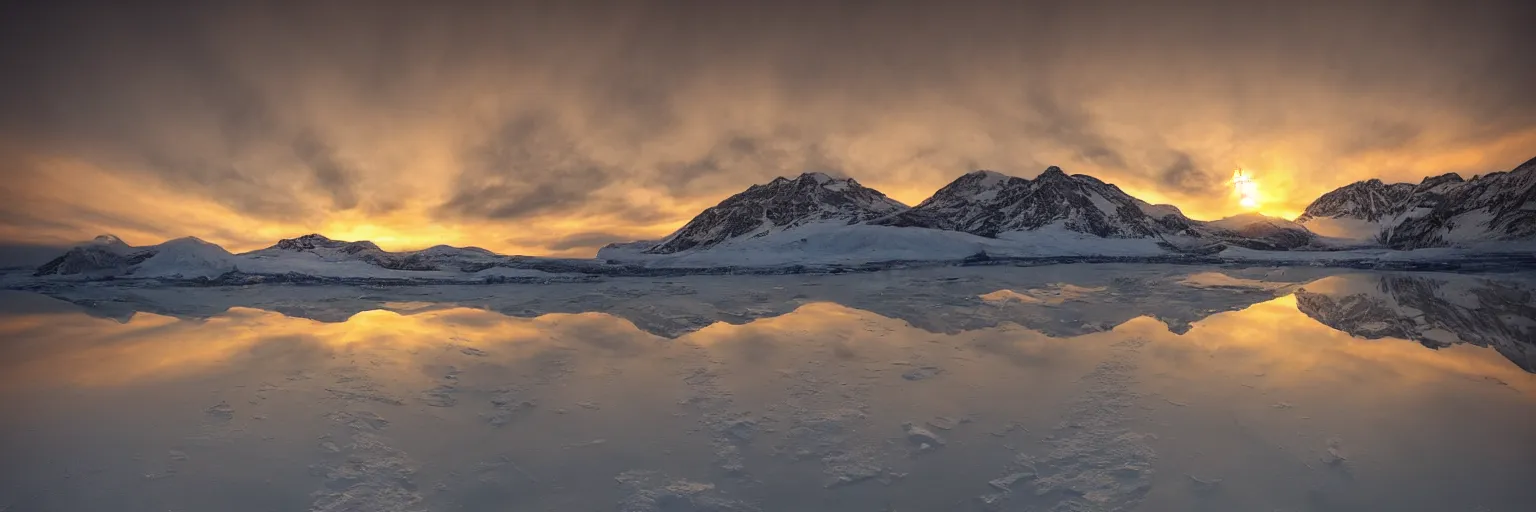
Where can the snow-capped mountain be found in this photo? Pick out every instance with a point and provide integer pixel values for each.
(1446, 210)
(780, 205)
(1440, 211)
(108, 255)
(988, 204)
(1434, 311)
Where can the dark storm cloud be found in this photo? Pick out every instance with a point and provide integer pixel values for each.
(585, 240)
(1183, 176)
(1071, 126)
(413, 116)
(746, 159)
(733, 153)
(529, 167)
(330, 174)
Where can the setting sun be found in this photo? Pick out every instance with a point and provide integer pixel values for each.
(1246, 189)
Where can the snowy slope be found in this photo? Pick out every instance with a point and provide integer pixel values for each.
(186, 258)
(780, 205)
(829, 243)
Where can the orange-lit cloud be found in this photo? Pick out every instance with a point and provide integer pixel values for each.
(555, 128)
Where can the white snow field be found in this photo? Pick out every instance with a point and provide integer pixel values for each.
(1081, 387)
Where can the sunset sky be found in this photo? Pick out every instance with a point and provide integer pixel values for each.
(557, 127)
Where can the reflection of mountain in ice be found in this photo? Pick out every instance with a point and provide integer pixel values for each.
(1059, 300)
(1063, 300)
(1084, 387)
(1437, 310)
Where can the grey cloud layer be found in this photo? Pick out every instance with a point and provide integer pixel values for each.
(291, 110)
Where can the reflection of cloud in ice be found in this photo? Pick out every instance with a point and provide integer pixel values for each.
(1055, 293)
(1220, 280)
(818, 402)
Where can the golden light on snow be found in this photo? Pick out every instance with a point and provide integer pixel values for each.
(1246, 189)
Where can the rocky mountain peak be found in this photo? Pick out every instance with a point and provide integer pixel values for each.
(1434, 182)
(315, 241)
(1055, 175)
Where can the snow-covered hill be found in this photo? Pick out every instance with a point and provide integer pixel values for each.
(108, 255)
(305, 257)
(186, 258)
(780, 205)
(1440, 211)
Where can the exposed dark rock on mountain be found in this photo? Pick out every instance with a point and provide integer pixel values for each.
(1445, 210)
(1436, 312)
(779, 205)
(1369, 200)
(987, 203)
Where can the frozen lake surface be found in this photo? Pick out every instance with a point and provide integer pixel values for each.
(1053, 388)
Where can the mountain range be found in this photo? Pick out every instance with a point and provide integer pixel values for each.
(1437, 212)
(815, 210)
(818, 219)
